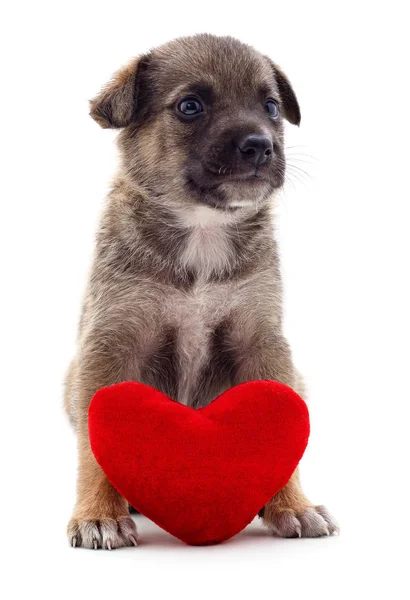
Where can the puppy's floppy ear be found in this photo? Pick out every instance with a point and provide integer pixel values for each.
(288, 96)
(116, 105)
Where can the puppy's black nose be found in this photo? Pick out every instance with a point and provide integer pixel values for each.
(256, 149)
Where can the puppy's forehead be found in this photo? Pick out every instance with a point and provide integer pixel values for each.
(222, 63)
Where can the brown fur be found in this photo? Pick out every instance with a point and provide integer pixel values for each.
(185, 288)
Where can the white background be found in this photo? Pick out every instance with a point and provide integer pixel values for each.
(345, 248)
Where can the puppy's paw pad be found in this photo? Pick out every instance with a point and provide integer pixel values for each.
(310, 522)
(102, 533)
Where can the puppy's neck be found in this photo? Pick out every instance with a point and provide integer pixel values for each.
(211, 247)
(206, 217)
(197, 241)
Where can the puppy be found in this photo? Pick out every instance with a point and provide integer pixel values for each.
(185, 289)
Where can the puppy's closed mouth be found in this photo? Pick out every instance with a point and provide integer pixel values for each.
(227, 176)
(212, 179)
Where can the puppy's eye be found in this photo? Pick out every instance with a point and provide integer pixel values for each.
(271, 107)
(190, 106)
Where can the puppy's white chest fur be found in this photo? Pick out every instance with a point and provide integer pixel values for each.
(209, 246)
(208, 251)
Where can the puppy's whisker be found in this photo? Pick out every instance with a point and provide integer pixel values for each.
(301, 160)
(299, 170)
(288, 180)
(296, 147)
(300, 150)
(293, 175)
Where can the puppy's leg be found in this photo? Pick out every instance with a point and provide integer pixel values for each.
(100, 518)
(289, 513)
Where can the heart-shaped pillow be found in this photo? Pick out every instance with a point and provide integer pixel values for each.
(202, 475)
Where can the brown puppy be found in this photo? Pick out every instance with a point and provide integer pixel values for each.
(185, 288)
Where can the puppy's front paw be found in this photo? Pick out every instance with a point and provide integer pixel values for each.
(314, 521)
(102, 533)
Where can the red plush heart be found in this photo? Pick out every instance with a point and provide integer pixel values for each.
(202, 475)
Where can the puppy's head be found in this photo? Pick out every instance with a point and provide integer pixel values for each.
(201, 117)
